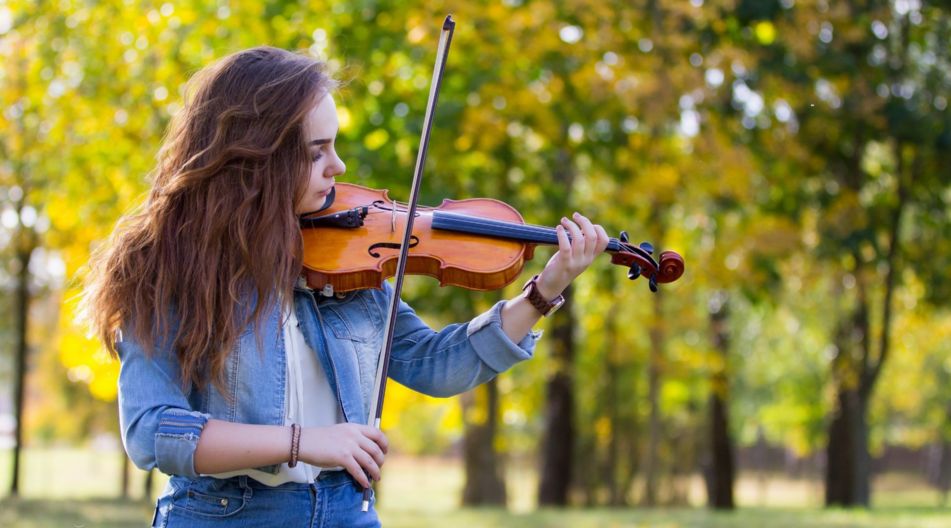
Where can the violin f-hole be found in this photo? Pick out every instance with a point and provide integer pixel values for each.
(414, 241)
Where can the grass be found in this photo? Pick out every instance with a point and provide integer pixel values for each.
(50, 513)
(70, 488)
(106, 513)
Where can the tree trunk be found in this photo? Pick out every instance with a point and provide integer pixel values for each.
(558, 438)
(485, 484)
(652, 462)
(943, 472)
(612, 461)
(942, 477)
(26, 242)
(848, 465)
(722, 471)
(847, 457)
(124, 480)
(147, 488)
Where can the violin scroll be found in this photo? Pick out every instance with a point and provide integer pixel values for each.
(640, 262)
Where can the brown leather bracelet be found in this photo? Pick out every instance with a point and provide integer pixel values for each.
(295, 445)
(544, 306)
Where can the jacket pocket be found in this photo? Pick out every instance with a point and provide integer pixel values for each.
(355, 320)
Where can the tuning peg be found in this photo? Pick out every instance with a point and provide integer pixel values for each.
(623, 237)
(634, 272)
(653, 283)
(648, 247)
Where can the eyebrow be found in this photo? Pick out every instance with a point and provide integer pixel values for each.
(319, 142)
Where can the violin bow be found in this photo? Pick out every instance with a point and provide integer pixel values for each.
(376, 405)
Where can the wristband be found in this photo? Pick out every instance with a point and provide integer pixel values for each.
(295, 445)
(544, 306)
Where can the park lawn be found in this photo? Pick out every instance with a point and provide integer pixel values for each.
(675, 518)
(35, 513)
(65, 487)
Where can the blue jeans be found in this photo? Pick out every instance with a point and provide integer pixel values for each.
(334, 499)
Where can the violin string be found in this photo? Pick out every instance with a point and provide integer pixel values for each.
(510, 230)
(501, 228)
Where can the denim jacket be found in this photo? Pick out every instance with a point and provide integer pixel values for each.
(160, 423)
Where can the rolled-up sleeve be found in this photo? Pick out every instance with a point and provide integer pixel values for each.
(493, 345)
(456, 358)
(157, 424)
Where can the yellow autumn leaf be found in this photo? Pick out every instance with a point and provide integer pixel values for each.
(765, 32)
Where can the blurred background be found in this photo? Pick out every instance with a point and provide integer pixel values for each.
(795, 152)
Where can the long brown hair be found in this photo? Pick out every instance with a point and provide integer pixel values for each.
(218, 232)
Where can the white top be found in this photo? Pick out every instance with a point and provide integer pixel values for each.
(306, 382)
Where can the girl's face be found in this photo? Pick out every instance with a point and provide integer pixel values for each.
(320, 130)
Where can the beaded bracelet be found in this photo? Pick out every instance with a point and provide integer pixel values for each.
(295, 445)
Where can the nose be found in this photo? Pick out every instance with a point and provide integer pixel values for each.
(335, 167)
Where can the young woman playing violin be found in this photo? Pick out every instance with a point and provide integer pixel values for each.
(247, 387)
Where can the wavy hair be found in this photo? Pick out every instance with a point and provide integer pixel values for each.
(218, 228)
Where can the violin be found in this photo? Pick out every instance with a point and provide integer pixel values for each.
(478, 243)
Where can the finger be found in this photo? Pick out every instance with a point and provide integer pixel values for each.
(577, 238)
(603, 239)
(353, 467)
(564, 245)
(367, 462)
(377, 436)
(590, 234)
(374, 450)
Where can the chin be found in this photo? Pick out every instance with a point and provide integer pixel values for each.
(312, 205)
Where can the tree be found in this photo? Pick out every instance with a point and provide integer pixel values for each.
(847, 79)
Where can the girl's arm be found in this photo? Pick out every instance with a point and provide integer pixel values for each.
(160, 429)
(573, 257)
(462, 356)
(226, 446)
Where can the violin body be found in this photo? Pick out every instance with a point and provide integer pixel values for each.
(479, 244)
(363, 257)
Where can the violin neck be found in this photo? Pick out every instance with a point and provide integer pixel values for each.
(527, 233)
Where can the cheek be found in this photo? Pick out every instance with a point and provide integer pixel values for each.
(301, 199)
(314, 175)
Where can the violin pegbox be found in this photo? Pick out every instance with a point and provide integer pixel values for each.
(640, 262)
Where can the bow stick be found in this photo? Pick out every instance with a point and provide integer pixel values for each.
(376, 408)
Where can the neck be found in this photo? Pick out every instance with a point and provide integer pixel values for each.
(533, 234)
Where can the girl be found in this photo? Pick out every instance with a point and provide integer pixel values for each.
(248, 388)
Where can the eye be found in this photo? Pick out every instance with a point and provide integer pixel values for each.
(318, 153)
